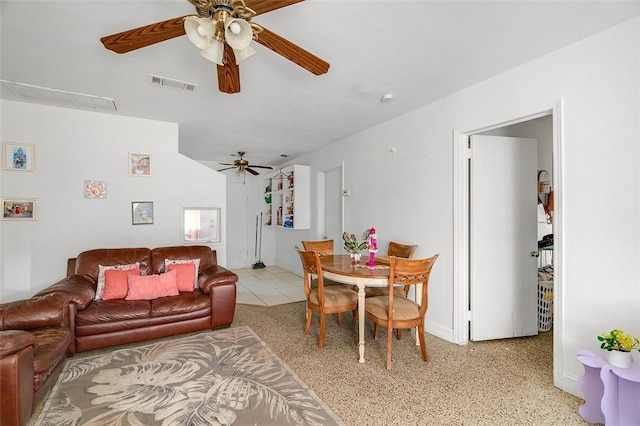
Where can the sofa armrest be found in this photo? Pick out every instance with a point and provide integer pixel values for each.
(214, 276)
(16, 376)
(12, 341)
(80, 290)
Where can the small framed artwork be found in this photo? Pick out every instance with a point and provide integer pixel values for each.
(20, 157)
(142, 212)
(95, 189)
(19, 209)
(139, 164)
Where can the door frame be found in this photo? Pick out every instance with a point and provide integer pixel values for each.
(461, 229)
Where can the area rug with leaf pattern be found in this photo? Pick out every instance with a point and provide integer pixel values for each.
(220, 377)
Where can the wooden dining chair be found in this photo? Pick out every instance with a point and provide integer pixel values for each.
(395, 311)
(398, 250)
(323, 299)
(324, 248)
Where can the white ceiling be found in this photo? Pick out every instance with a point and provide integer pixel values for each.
(419, 51)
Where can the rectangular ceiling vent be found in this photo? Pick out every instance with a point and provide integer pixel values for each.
(31, 93)
(170, 82)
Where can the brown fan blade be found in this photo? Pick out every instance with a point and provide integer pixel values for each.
(260, 167)
(292, 52)
(253, 172)
(264, 6)
(229, 74)
(136, 38)
(227, 168)
(226, 164)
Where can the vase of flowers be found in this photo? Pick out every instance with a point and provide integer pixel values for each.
(353, 246)
(619, 346)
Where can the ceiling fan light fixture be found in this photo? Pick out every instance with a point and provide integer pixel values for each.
(214, 52)
(199, 30)
(243, 54)
(242, 38)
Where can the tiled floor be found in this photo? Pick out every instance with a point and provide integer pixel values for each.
(268, 287)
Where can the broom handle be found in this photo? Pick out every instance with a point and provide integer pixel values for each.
(260, 252)
(255, 252)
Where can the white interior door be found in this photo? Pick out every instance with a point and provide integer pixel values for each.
(503, 235)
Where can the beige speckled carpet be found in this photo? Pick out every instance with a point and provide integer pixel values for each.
(503, 382)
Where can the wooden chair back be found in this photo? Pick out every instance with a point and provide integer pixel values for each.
(401, 250)
(323, 247)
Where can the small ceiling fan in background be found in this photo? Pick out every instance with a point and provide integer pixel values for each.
(222, 30)
(243, 165)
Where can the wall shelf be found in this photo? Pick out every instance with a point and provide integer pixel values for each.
(287, 198)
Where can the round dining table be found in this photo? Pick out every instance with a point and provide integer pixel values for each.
(340, 269)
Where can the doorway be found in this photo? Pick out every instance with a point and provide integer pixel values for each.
(330, 205)
(462, 223)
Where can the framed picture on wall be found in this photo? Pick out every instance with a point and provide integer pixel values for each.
(19, 209)
(19, 157)
(95, 189)
(142, 212)
(139, 164)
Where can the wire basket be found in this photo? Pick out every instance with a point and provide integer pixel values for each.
(545, 305)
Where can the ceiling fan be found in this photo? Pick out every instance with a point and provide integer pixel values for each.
(222, 30)
(243, 165)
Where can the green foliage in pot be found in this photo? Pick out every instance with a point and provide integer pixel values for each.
(351, 243)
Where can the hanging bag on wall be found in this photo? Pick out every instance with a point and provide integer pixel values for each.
(548, 208)
(544, 183)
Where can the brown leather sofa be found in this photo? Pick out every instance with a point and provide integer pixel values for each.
(34, 340)
(64, 318)
(103, 323)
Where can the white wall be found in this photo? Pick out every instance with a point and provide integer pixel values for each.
(408, 196)
(72, 146)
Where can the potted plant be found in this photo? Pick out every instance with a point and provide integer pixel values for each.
(619, 345)
(353, 246)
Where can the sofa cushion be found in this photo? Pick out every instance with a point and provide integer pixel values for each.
(187, 272)
(86, 263)
(112, 311)
(204, 253)
(186, 302)
(116, 285)
(148, 287)
(103, 269)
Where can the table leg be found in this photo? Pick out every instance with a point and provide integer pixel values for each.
(418, 299)
(361, 294)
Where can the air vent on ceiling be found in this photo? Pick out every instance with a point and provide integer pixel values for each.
(170, 82)
(31, 93)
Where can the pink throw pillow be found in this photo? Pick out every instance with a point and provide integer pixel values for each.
(148, 287)
(184, 275)
(101, 271)
(116, 283)
(196, 262)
